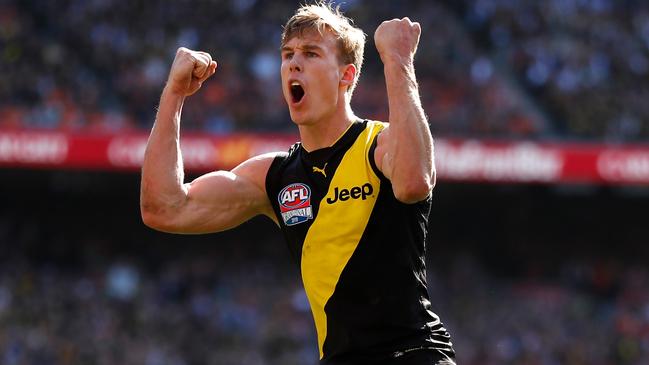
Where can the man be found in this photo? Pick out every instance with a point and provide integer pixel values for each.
(352, 199)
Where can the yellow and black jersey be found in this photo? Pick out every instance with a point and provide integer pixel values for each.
(360, 251)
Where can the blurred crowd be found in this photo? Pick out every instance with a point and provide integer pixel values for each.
(594, 313)
(95, 287)
(586, 62)
(221, 310)
(192, 311)
(487, 68)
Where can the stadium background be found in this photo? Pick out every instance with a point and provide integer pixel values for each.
(538, 249)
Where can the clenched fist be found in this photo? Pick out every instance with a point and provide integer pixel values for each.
(397, 40)
(189, 70)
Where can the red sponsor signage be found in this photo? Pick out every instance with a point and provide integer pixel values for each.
(33, 148)
(471, 160)
(43, 149)
(630, 165)
(456, 160)
(516, 162)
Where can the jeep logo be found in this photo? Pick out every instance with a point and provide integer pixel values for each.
(357, 192)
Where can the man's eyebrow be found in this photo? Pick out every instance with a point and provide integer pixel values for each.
(311, 47)
(306, 47)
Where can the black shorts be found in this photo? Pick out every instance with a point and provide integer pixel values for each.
(407, 357)
(425, 357)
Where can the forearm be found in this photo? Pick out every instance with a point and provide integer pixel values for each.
(162, 186)
(410, 145)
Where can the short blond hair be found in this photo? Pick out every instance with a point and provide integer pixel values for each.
(322, 16)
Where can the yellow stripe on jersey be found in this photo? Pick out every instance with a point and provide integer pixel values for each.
(339, 226)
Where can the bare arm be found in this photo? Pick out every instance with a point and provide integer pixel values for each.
(213, 202)
(404, 150)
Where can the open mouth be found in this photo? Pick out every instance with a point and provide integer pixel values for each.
(297, 92)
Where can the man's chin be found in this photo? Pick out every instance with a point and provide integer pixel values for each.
(299, 118)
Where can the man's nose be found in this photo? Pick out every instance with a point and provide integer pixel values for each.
(295, 65)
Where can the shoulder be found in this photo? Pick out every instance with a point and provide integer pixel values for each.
(256, 168)
(280, 159)
(264, 158)
(377, 124)
(377, 131)
(374, 127)
(379, 146)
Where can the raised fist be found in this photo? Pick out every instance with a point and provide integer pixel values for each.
(189, 70)
(397, 39)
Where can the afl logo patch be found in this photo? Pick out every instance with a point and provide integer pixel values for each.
(295, 204)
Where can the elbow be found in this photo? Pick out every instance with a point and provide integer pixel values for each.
(161, 212)
(154, 219)
(151, 219)
(414, 190)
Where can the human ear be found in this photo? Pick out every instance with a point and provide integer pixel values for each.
(348, 75)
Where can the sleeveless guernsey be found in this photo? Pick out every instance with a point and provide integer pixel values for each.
(361, 252)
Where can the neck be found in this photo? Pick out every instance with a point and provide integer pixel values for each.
(325, 132)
